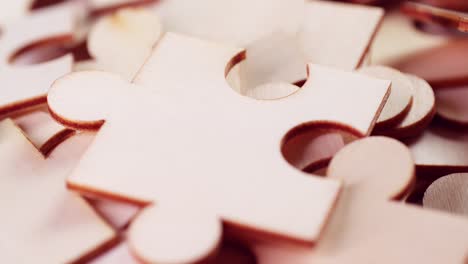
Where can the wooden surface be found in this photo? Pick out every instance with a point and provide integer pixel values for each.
(202, 90)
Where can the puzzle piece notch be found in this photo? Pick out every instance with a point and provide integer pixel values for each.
(365, 224)
(205, 96)
(42, 26)
(51, 225)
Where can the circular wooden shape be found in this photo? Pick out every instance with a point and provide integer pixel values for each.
(374, 167)
(451, 105)
(399, 101)
(449, 193)
(421, 113)
(178, 227)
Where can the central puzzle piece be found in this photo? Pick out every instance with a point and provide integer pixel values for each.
(181, 138)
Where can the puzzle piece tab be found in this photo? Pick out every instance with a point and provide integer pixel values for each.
(183, 86)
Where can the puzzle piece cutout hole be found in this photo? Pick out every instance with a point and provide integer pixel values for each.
(310, 147)
(40, 51)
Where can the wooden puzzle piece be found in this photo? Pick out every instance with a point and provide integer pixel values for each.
(238, 23)
(449, 193)
(42, 130)
(359, 26)
(48, 223)
(401, 95)
(27, 86)
(121, 41)
(450, 105)
(420, 114)
(398, 39)
(185, 73)
(440, 148)
(365, 224)
(434, 15)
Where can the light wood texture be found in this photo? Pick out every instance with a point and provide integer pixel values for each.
(121, 42)
(398, 38)
(45, 223)
(451, 104)
(449, 194)
(184, 82)
(27, 86)
(420, 114)
(342, 44)
(13, 10)
(401, 95)
(43, 131)
(366, 224)
(441, 148)
(202, 19)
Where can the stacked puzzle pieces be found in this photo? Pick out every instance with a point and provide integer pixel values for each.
(247, 131)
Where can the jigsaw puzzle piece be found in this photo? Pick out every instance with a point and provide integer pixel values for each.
(365, 224)
(43, 131)
(25, 87)
(51, 224)
(121, 41)
(210, 189)
(449, 193)
(399, 39)
(238, 23)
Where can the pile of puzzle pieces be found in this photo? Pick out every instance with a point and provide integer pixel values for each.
(247, 131)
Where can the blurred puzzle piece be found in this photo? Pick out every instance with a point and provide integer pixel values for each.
(27, 86)
(48, 224)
